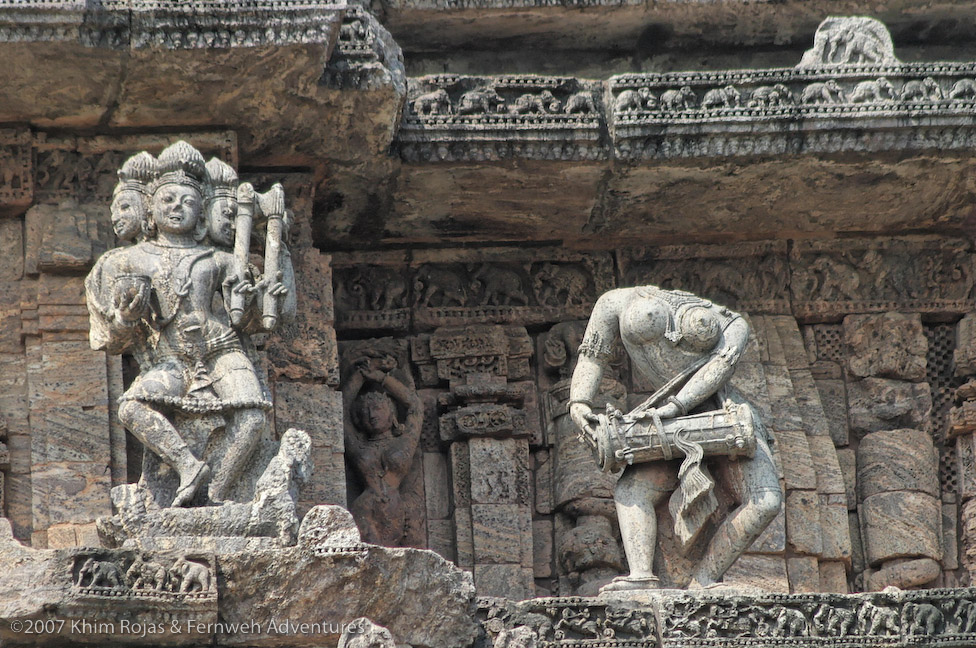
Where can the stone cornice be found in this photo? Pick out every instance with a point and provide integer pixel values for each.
(123, 24)
(848, 93)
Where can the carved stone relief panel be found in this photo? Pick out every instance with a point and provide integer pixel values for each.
(387, 291)
(923, 274)
(749, 277)
(452, 117)
(16, 170)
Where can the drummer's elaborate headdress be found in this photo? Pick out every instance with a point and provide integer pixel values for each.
(222, 181)
(136, 174)
(180, 164)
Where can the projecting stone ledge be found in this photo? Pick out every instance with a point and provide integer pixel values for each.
(849, 93)
(727, 617)
(179, 597)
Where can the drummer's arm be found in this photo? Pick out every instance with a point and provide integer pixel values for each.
(594, 355)
(713, 375)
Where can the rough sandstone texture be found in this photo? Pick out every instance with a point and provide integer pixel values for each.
(777, 228)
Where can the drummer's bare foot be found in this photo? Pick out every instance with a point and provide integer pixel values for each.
(629, 583)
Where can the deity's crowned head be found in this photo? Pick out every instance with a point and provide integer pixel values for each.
(177, 191)
(221, 202)
(130, 198)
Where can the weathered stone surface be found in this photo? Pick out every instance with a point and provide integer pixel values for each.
(765, 572)
(498, 533)
(897, 460)
(834, 528)
(363, 633)
(499, 471)
(880, 404)
(804, 574)
(793, 448)
(773, 539)
(833, 577)
(542, 551)
(964, 355)
(808, 399)
(437, 486)
(833, 397)
(847, 459)
(830, 479)
(317, 409)
(900, 525)
(891, 345)
(968, 524)
(803, 530)
(510, 581)
(950, 536)
(910, 573)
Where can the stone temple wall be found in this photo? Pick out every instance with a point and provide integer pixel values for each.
(463, 224)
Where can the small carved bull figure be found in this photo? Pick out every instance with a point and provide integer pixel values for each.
(680, 99)
(433, 103)
(727, 97)
(820, 93)
(880, 91)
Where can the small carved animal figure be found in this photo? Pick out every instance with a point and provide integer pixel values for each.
(430, 282)
(635, 100)
(820, 93)
(877, 620)
(963, 89)
(727, 97)
(927, 90)
(101, 572)
(352, 30)
(480, 100)
(387, 288)
(502, 287)
(790, 623)
(196, 577)
(833, 621)
(560, 285)
(880, 91)
(922, 618)
(769, 96)
(542, 104)
(433, 103)
(680, 99)
(861, 48)
(581, 102)
(145, 574)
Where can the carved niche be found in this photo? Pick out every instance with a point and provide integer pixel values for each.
(383, 419)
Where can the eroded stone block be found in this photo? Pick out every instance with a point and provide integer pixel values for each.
(881, 404)
(900, 525)
(803, 533)
(897, 460)
(889, 345)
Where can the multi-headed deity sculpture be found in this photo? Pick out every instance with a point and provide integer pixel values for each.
(182, 298)
(687, 348)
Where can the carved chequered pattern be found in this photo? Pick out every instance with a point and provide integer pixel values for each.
(938, 372)
(830, 342)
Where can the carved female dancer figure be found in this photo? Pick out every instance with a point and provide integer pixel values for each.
(380, 448)
(687, 347)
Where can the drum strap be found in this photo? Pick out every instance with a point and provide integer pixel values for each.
(671, 385)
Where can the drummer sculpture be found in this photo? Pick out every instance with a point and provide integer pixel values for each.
(687, 348)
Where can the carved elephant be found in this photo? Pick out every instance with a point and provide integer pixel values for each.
(102, 573)
(195, 577)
